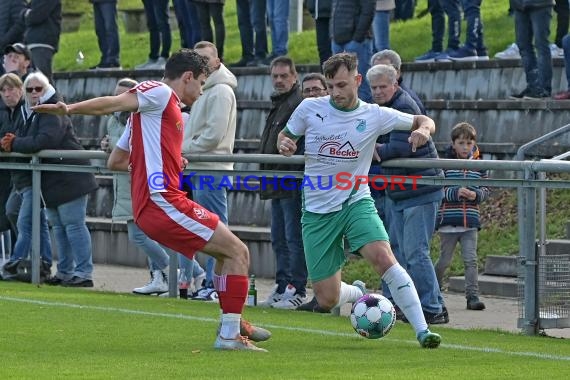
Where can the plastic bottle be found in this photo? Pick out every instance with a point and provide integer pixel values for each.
(80, 58)
(252, 292)
(183, 285)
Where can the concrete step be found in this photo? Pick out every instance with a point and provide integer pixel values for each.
(501, 266)
(488, 285)
(558, 247)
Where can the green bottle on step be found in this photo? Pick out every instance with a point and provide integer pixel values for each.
(252, 292)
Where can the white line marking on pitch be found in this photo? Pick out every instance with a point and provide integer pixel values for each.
(537, 355)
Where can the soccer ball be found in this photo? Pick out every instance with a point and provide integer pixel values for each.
(373, 316)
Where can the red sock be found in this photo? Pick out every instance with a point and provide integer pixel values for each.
(232, 291)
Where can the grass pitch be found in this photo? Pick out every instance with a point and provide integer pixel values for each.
(54, 333)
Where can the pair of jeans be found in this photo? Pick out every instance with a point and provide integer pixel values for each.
(105, 17)
(287, 243)
(278, 16)
(73, 240)
(251, 19)
(404, 9)
(191, 268)
(323, 39)
(438, 9)
(474, 29)
(158, 259)
(214, 198)
(566, 47)
(562, 9)
(468, 241)
(188, 23)
(216, 13)
(534, 23)
(410, 230)
(42, 56)
(363, 51)
(24, 241)
(158, 25)
(381, 28)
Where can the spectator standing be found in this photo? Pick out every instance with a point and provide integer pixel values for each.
(404, 9)
(18, 60)
(278, 17)
(105, 18)
(351, 31)
(11, 119)
(562, 9)
(381, 24)
(161, 206)
(188, 22)
(11, 25)
(43, 28)
(458, 217)
(252, 32)
(532, 23)
(64, 193)
(438, 9)
(160, 36)
(17, 138)
(122, 209)
(321, 12)
(474, 48)
(211, 129)
(286, 200)
(410, 210)
(214, 10)
(330, 216)
(564, 95)
(390, 57)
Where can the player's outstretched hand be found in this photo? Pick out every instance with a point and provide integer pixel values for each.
(418, 138)
(60, 108)
(286, 146)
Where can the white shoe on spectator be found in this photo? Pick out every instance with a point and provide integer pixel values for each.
(291, 299)
(556, 52)
(272, 298)
(158, 284)
(197, 283)
(511, 52)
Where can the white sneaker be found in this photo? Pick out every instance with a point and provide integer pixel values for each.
(197, 283)
(239, 343)
(511, 52)
(556, 52)
(290, 303)
(272, 298)
(158, 284)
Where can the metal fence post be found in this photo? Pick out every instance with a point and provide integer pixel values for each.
(36, 210)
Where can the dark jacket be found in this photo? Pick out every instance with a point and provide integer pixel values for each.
(319, 8)
(523, 5)
(11, 25)
(399, 147)
(351, 20)
(282, 106)
(460, 212)
(45, 131)
(43, 23)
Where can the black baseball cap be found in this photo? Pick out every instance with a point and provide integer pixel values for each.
(18, 48)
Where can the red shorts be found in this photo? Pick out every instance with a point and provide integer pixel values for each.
(177, 223)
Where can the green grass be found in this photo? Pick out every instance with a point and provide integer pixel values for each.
(68, 333)
(410, 38)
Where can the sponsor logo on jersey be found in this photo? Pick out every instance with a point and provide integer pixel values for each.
(361, 125)
(336, 150)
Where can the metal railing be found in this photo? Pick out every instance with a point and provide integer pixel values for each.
(527, 187)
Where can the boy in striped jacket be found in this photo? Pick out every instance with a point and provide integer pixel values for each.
(458, 216)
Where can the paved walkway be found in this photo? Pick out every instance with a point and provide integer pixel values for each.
(501, 313)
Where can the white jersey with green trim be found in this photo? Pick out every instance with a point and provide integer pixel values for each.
(338, 149)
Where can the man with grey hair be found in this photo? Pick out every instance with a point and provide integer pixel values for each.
(390, 57)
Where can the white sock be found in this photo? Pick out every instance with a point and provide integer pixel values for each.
(405, 295)
(230, 325)
(348, 293)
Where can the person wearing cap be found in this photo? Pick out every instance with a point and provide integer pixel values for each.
(11, 26)
(17, 60)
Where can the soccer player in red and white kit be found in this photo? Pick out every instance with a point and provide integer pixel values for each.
(151, 150)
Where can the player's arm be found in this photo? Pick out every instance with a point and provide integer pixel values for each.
(118, 160)
(422, 128)
(287, 142)
(104, 105)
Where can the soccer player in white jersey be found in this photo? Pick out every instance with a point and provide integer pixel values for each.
(151, 150)
(340, 135)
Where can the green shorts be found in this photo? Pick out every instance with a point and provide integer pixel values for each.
(323, 236)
